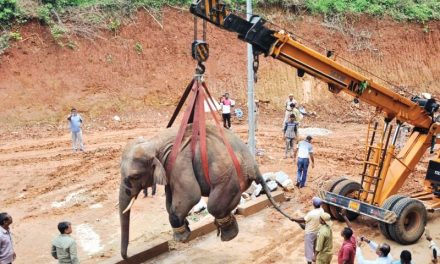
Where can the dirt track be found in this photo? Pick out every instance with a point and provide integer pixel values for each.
(45, 182)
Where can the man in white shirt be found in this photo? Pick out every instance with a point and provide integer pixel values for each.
(311, 228)
(382, 251)
(226, 104)
(304, 151)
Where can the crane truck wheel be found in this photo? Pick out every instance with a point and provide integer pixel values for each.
(410, 223)
(329, 186)
(347, 188)
(389, 205)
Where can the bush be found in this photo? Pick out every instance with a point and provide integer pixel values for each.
(44, 13)
(8, 11)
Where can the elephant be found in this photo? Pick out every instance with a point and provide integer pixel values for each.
(143, 163)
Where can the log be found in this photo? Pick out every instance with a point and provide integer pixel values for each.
(141, 254)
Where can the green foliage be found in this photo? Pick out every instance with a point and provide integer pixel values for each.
(15, 36)
(62, 3)
(8, 11)
(58, 32)
(139, 48)
(418, 10)
(114, 25)
(4, 42)
(44, 13)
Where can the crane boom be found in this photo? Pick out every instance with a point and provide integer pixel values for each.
(282, 46)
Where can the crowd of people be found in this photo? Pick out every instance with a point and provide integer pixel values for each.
(318, 242)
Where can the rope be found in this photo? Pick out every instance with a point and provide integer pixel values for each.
(179, 230)
(223, 221)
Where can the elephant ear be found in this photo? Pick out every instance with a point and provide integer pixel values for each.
(160, 176)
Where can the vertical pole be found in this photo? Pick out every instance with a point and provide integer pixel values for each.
(250, 70)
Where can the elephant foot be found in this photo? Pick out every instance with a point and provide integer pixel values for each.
(227, 227)
(181, 234)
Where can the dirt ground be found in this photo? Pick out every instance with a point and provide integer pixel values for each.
(44, 182)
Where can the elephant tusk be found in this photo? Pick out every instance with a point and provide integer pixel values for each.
(129, 205)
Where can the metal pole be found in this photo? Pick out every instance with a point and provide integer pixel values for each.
(250, 70)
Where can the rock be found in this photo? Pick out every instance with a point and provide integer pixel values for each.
(200, 206)
(281, 177)
(117, 118)
(269, 176)
(254, 189)
(245, 196)
(288, 185)
(272, 185)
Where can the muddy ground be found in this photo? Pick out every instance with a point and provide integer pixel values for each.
(44, 182)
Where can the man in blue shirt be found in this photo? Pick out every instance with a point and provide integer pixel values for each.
(75, 122)
(304, 151)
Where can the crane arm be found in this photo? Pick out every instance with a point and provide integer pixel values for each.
(282, 46)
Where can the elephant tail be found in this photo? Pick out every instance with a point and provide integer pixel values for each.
(269, 196)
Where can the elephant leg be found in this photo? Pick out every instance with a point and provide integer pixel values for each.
(184, 194)
(222, 200)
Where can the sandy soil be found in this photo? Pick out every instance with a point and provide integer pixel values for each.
(45, 182)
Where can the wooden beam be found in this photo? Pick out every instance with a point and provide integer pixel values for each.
(201, 229)
(254, 206)
(141, 255)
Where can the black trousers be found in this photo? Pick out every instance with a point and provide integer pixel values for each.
(227, 119)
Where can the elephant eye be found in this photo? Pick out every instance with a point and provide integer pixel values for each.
(136, 176)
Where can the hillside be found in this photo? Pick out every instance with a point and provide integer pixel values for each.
(108, 75)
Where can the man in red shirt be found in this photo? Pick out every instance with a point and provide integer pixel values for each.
(347, 253)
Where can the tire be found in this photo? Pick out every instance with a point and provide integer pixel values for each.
(345, 188)
(329, 186)
(389, 205)
(410, 223)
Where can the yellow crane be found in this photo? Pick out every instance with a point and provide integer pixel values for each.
(401, 218)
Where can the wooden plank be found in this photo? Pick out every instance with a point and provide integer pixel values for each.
(141, 255)
(254, 206)
(201, 229)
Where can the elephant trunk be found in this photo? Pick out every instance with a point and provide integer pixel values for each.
(261, 180)
(124, 201)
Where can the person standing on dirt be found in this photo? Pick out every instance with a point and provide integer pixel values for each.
(311, 224)
(7, 254)
(347, 253)
(75, 122)
(226, 105)
(290, 106)
(304, 151)
(290, 133)
(382, 251)
(64, 246)
(324, 241)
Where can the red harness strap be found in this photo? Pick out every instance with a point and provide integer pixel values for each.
(181, 132)
(195, 110)
(228, 146)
